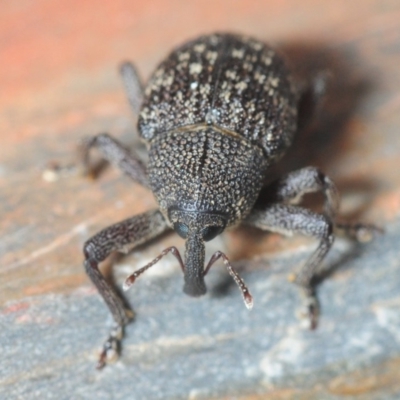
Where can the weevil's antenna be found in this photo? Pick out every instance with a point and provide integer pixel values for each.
(247, 297)
(130, 280)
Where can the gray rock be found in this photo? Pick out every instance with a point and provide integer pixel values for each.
(184, 348)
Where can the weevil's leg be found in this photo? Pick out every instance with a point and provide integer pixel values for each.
(292, 187)
(116, 154)
(133, 85)
(288, 219)
(122, 236)
(112, 150)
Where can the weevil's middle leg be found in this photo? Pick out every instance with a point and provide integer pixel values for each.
(111, 149)
(288, 219)
(292, 187)
(119, 237)
(116, 154)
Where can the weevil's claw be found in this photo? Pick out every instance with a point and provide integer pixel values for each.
(366, 232)
(110, 352)
(111, 347)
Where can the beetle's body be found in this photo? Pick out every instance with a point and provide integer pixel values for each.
(216, 113)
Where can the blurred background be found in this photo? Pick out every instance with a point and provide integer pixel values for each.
(59, 83)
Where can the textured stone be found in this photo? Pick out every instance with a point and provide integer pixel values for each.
(180, 348)
(59, 83)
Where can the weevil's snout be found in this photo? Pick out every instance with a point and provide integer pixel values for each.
(194, 266)
(195, 272)
(196, 227)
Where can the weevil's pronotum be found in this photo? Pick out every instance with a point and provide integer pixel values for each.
(215, 114)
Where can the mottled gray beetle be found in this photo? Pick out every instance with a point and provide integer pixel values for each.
(216, 113)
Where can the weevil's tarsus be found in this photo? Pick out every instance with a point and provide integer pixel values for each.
(130, 280)
(111, 347)
(308, 313)
(247, 297)
(360, 232)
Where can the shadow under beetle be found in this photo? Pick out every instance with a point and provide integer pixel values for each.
(215, 114)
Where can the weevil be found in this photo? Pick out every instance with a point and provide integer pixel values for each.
(215, 115)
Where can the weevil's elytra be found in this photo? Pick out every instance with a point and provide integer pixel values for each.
(233, 83)
(215, 114)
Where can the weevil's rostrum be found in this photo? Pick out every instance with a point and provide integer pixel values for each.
(215, 114)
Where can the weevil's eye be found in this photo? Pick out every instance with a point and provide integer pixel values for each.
(181, 229)
(211, 232)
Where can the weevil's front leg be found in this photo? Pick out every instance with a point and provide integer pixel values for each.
(292, 187)
(116, 154)
(288, 219)
(122, 236)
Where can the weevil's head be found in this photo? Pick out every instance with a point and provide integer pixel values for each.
(196, 227)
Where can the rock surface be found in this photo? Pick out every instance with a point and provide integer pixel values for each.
(59, 84)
